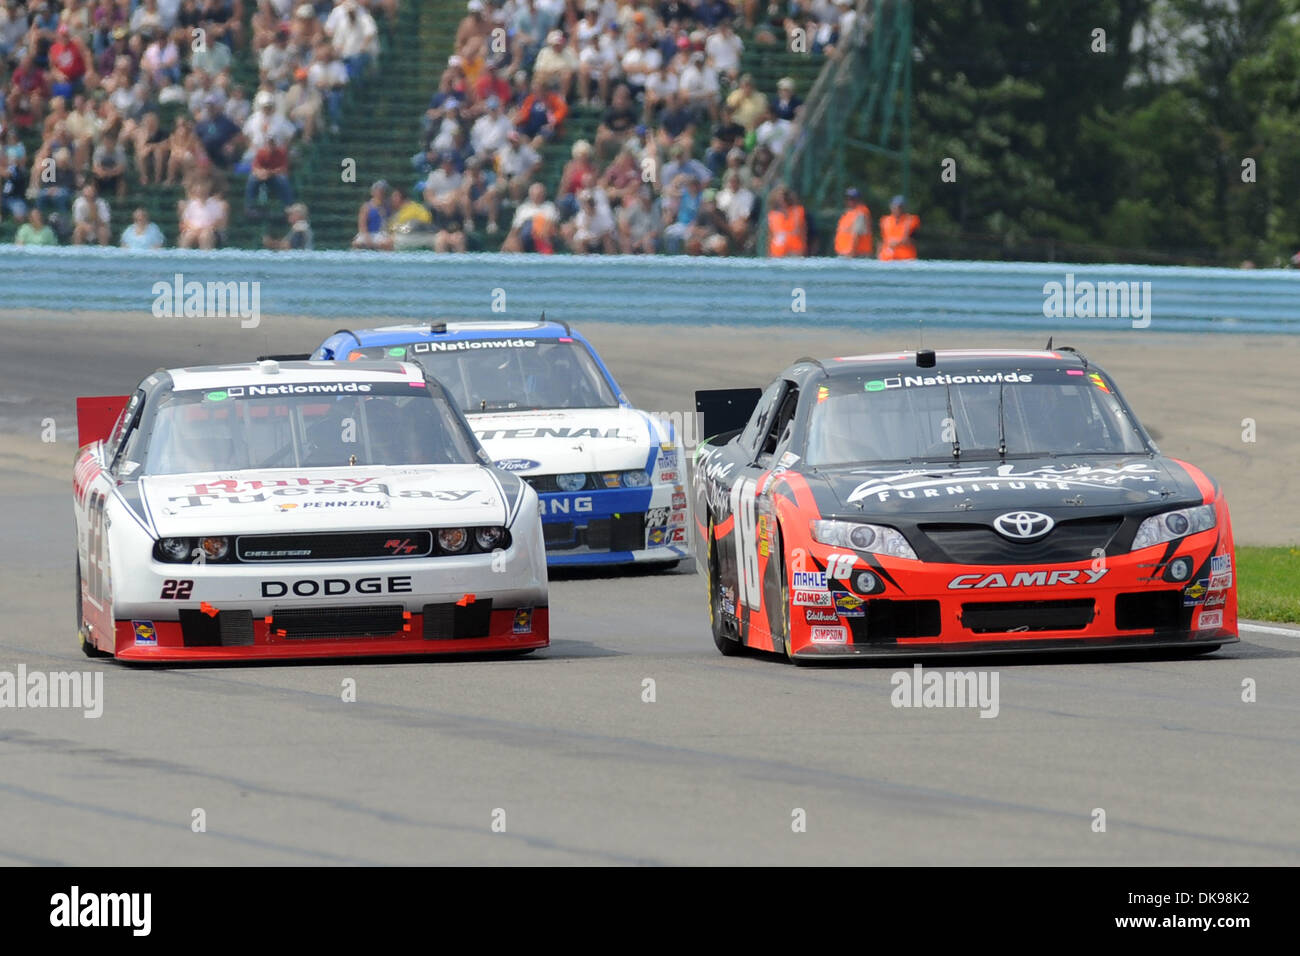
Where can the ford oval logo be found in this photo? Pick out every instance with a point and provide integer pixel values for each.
(1023, 525)
(517, 464)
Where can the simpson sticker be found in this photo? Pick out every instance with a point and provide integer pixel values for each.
(1209, 620)
(830, 635)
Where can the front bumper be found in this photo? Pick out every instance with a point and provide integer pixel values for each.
(615, 526)
(242, 638)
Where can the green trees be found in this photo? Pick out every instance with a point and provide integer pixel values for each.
(1107, 130)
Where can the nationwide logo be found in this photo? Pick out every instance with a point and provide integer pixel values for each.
(473, 345)
(914, 381)
(315, 388)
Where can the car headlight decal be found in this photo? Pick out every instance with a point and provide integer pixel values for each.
(860, 536)
(1169, 525)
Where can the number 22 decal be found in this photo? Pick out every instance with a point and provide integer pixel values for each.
(744, 508)
(174, 590)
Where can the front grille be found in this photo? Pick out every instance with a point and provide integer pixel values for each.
(1074, 540)
(327, 623)
(1149, 611)
(454, 620)
(988, 617)
(224, 629)
(594, 481)
(888, 620)
(622, 532)
(335, 545)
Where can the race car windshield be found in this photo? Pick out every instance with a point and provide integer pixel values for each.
(905, 417)
(213, 430)
(497, 375)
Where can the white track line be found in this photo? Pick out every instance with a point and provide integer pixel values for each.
(1264, 629)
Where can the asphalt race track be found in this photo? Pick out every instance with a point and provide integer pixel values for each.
(713, 770)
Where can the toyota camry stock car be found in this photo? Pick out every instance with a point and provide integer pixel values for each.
(295, 510)
(545, 407)
(923, 502)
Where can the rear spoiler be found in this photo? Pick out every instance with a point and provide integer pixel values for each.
(96, 416)
(726, 410)
(295, 357)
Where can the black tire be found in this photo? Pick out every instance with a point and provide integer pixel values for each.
(727, 644)
(86, 647)
(781, 624)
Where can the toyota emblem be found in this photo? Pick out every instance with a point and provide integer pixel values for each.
(1023, 525)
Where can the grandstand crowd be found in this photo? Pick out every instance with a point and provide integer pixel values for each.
(100, 99)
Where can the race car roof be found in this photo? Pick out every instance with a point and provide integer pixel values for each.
(293, 373)
(950, 360)
(442, 331)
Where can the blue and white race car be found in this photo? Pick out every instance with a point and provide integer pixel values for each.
(610, 477)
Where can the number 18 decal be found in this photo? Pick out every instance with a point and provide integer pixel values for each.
(744, 508)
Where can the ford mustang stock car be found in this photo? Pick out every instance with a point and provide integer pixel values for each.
(609, 477)
(923, 502)
(298, 510)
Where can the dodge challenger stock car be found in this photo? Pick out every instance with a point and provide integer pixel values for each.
(298, 510)
(953, 501)
(609, 477)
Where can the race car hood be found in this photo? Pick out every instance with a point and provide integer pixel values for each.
(556, 441)
(1051, 485)
(323, 499)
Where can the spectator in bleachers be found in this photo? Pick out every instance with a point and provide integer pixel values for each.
(491, 129)
(723, 48)
(638, 225)
(747, 104)
(13, 187)
(142, 234)
(265, 124)
(185, 153)
(442, 189)
(599, 60)
(592, 227)
(480, 196)
(618, 123)
(542, 114)
(270, 174)
(220, 136)
(35, 231)
(149, 144)
(299, 237)
(641, 61)
(70, 60)
(622, 178)
(108, 165)
(682, 163)
(556, 64)
(13, 27)
(55, 194)
(355, 36)
(91, 217)
(29, 89)
(328, 75)
(517, 163)
(473, 33)
(203, 217)
(303, 105)
(737, 203)
(372, 218)
(534, 225)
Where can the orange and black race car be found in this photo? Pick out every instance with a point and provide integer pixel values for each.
(955, 501)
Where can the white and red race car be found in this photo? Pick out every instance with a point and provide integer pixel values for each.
(299, 510)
